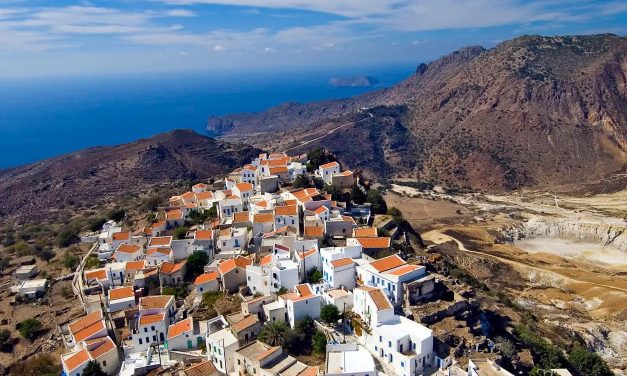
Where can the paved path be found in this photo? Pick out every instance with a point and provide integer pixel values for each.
(304, 143)
(77, 282)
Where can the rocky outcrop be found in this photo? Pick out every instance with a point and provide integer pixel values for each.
(613, 234)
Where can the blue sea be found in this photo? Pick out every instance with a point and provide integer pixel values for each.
(45, 117)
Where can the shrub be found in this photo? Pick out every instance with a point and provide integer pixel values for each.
(196, 264)
(6, 344)
(318, 157)
(314, 275)
(67, 236)
(116, 215)
(319, 343)
(92, 262)
(96, 224)
(330, 314)
(70, 261)
(395, 212)
(357, 195)
(46, 255)
(179, 292)
(181, 232)
(197, 217)
(376, 200)
(588, 363)
(30, 328)
(93, 369)
(302, 181)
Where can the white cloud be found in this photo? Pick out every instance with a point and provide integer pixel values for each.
(269, 49)
(219, 48)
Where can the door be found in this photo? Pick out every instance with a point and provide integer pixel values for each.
(189, 344)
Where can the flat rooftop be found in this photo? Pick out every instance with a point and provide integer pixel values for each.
(354, 360)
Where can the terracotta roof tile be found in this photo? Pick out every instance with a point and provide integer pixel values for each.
(121, 293)
(383, 242)
(151, 319)
(205, 277)
(128, 248)
(89, 331)
(244, 187)
(104, 345)
(180, 327)
(387, 263)
(263, 218)
(286, 210)
(85, 321)
(96, 274)
(314, 231)
(321, 210)
(379, 299)
(155, 301)
(265, 260)
(74, 361)
(160, 241)
(203, 234)
(205, 368)
(123, 235)
(301, 255)
(365, 232)
(245, 323)
(207, 195)
(267, 353)
(170, 267)
(404, 270)
(231, 264)
(330, 165)
(342, 262)
(135, 265)
(241, 217)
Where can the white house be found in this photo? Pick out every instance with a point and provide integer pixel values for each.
(221, 345)
(102, 350)
(301, 303)
(372, 305)
(403, 343)
(273, 273)
(128, 252)
(262, 223)
(389, 274)
(158, 304)
(244, 190)
(121, 298)
(307, 260)
(340, 273)
(248, 174)
(481, 367)
(33, 288)
(349, 359)
(86, 328)
(185, 335)
(341, 298)
(286, 216)
(151, 328)
(206, 282)
(327, 170)
(158, 255)
(229, 205)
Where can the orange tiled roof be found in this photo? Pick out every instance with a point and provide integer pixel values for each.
(342, 262)
(277, 169)
(240, 217)
(290, 202)
(96, 274)
(265, 260)
(135, 265)
(347, 173)
(404, 270)
(239, 261)
(74, 361)
(245, 323)
(250, 167)
(200, 185)
(207, 195)
(302, 255)
(304, 290)
(104, 345)
(151, 319)
(174, 214)
(160, 240)
(387, 263)
(383, 242)
(158, 224)
(163, 251)
(267, 353)
(365, 232)
(244, 187)
(379, 299)
(205, 277)
(189, 195)
(286, 210)
(314, 231)
(180, 328)
(89, 331)
(204, 234)
(155, 301)
(123, 235)
(205, 368)
(263, 218)
(85, 321)
(170, 268)
(274, 162)
(121, 293)
(128, 248)
(321, 210)
(329, 165)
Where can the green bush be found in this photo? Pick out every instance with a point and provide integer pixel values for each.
(67, 236)
(96, 224)
(70, 261)
(588, 363)
(314, 275)
(395, 212)
(180, 232)
(330, 314)
(196, 264)
(319, 343)
(116, 215)
(376, 200)
(30, 328)
(46, 255)
(93, 369)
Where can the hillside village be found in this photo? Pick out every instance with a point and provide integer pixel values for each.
(228, 271)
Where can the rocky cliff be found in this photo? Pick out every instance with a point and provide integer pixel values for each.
(532, 112)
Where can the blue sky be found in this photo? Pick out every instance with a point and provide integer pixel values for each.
(60, 37)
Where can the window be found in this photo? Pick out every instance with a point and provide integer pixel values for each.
(403, 364)
(145, 330)
(152, 328)
(140, 341)
(154, 338)
(239, 362)
(380, 339)
(104, 363)
(147, 339)
(389, 343)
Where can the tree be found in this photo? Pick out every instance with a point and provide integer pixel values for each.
(116, 215)
(395, 212)
(30, 328)
(93, 369)
(357, 194)
(67, 236)
(281, 291)
(305, 326)
(46, 255)
(330, 314)
(196, 263)
(506, 347)
(588, 363)
(302, 181)
(70, 261)
(180, 232)
(6, 344)
(318, 157)
(376, 200)
(319, 342)
(96, 224)
(314, 275)
(273, 333)
(197, 217)
(4, 262)
(213, 212)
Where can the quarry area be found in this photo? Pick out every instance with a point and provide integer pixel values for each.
(562, 258)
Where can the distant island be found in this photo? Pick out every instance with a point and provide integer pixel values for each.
(356, 81)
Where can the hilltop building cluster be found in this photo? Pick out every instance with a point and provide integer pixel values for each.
(286, 251)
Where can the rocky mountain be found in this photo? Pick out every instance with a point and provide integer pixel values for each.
(531, 112)
(95, 175)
